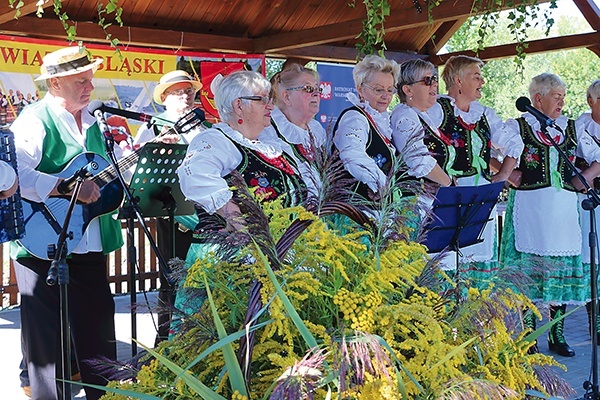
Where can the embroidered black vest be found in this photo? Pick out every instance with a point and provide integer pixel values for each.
(436, 146)
(460, 137)
(301, 152)
(270, 181)
(535, 160)
(379, 148)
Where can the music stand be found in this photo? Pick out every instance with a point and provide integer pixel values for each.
(459, 217)
(155, 186)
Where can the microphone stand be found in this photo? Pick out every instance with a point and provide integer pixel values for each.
(588, 204)
(59, 272)
(130, 209)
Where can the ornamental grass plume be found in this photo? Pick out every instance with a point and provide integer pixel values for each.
(301, 381)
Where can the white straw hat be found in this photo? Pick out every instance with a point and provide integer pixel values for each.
(67, 61)
(171, 78)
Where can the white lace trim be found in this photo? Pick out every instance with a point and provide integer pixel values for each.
(271, 149)
(474, 114)
(382, 119)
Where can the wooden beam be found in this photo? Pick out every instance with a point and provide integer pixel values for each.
(399, 20)
(442, 35)
(339, 54)
(590, 11)
(49, 28)
(534, 46)
(8, 14)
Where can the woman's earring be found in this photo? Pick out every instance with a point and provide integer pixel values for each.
(240, 121)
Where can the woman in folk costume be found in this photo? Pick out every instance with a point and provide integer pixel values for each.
(423, 147)
(362, 133)
(541, 235)
(472, 129)
(244, 105)
(297, 96)
(588, 125)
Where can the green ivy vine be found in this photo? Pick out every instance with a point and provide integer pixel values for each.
(523, 16)
(111, 9)
(371, 38)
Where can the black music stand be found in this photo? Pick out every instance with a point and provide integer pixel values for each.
(459, 217)
(155, 186)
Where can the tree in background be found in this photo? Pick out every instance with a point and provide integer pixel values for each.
(577, 68)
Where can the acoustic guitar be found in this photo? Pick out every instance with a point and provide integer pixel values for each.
(44, 220)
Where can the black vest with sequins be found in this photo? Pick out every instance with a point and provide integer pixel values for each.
(460, 137)
(535, 159)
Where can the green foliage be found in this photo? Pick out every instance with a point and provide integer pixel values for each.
(577, 68)
(373, 31)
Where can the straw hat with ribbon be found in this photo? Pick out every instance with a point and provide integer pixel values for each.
(171, 78)
(67, 61)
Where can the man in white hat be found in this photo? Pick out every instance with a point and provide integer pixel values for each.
(176, 90)
(48, 135)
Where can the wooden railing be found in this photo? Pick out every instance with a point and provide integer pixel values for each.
(118, 268)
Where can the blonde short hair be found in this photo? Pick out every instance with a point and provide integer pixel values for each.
(456, 66)
(363, 71)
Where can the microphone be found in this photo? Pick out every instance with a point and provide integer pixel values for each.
(82, 173)
(95, 109)
(125, 113)
(524, 105)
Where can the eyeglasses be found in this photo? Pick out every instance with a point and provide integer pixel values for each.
(381, 91)
(427, 81)
(307, 88)
(180, 92)
(263, 99)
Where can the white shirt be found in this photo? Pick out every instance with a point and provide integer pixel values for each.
(503, 138)
(297, 136)
(209, 158)
(7, 176)
(351, 140)
(408, 134)
(146, 133)
(35, 185)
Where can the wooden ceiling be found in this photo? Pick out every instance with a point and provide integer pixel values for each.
(323, 30)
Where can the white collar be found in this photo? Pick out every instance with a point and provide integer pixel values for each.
(271, 149)
(382, 119)
(474, 114)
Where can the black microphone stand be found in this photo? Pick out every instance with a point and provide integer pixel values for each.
(588, 204)
(130, 209)
(59, 272)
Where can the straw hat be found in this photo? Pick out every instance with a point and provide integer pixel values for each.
(67, 61)
(171, 78)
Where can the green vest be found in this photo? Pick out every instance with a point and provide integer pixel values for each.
(59, 149)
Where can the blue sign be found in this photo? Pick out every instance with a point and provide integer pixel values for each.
(336, 82)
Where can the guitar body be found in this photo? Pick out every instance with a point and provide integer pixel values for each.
(44, 221)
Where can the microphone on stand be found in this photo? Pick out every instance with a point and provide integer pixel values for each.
(95, 109)
(82, 173)
(125, 113)
(523, 104)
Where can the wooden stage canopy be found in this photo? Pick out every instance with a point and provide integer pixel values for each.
(300, 29)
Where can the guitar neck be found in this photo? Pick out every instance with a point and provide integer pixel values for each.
(109, 174)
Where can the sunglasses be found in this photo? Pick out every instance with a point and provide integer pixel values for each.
(263, 99)
(180, 92)
(427, 81)
(381, 91)
(307, 89)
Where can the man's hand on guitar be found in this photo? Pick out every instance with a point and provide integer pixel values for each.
(89, 192)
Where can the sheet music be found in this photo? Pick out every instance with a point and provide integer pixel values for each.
(12, 226)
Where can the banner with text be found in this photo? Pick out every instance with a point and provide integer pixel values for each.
(123, 81)
(336, 82)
